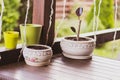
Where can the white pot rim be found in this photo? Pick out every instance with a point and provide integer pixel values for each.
(48, 47)
(89, 39)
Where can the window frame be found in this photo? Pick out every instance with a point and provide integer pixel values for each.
(41, 13)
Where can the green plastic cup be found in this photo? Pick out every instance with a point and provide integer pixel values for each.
(10, 39)
(33, 33)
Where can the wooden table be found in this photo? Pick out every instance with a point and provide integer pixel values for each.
(62, 68)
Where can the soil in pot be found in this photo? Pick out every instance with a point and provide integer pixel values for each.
(75, 39)
(37, 47)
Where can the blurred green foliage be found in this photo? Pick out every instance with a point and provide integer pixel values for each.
(64, 29)
(22, 11)
(106, 18)
(14, 14)
(11, 14)
(72, 14)
(108, 51)
(118, 14)
(70, 20)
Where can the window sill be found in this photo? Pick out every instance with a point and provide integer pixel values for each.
(3, 49)
(11, 56)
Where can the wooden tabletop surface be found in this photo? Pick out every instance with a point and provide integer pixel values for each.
(62, 68)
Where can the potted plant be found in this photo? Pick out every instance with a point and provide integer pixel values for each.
(10, 39)
(37, 54)
(34, 53)
(32, 34)
(77, 47)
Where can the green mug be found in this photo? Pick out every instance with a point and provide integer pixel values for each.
(32, 33)
(10, 39)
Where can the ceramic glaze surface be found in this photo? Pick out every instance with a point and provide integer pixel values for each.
(77, 48)
(37, 57)
(10, 39)
(33, 33)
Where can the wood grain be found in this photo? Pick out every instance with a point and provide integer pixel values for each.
(62, 68)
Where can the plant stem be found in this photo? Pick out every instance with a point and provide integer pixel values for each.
(78, 33)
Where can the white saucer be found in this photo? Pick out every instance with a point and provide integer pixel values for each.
(76, 57)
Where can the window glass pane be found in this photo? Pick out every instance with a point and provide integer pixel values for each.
(14, 15)
(10, 16)
(105, 21)
(109, 50)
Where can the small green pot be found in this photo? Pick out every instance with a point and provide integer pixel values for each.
(10, 39)
(33, 33)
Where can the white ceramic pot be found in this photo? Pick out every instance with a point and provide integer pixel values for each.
(77, 49)
(37, 55)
